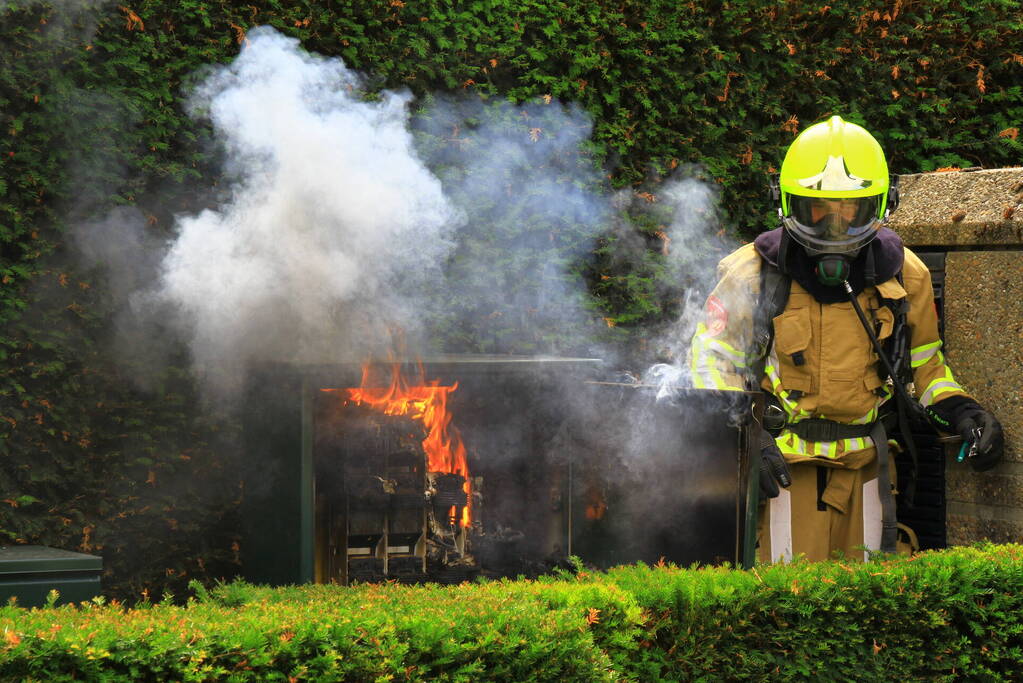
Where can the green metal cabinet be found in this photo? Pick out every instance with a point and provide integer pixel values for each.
(515, 406)
(278, 511)
(30, 572)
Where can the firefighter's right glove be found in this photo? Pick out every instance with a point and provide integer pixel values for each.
(981, 432)
(774, 471)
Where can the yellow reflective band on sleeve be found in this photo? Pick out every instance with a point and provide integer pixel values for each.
(936, 389)
(940, 385)
(704, 362)
(921, 354)
(726, 351)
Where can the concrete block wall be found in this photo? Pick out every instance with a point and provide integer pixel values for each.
(976, 218)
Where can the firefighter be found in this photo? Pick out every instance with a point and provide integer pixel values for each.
(793, 314)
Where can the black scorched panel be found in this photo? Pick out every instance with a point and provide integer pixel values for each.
(660, 479)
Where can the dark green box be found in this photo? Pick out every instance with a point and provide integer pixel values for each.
(30, 572)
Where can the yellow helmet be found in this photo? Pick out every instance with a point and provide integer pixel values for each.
(834, 187)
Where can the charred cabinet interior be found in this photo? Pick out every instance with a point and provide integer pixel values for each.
(457, 485)
(481, 466)
(370, 511)
(664, 479)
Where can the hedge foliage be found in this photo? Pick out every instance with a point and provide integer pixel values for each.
(91, 104)
(941, 616)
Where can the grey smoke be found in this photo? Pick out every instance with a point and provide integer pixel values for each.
(694, 243)
(120, 242)
(129, 256)
(346, 216)
(338, 232)
(334, 223)
(533, 204)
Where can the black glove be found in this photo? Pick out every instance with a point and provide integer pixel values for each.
(963, 416)
(774, 471)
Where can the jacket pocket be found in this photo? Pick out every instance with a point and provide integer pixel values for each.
(792, 331)
(792, 337)
(884, 321)
(871, 381)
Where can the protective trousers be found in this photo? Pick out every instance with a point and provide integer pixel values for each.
(832, 506)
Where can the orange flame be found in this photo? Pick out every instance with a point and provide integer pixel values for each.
(426, 402)
(596, 506)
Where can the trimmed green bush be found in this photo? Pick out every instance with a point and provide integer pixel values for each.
(503, 631)
(948, 615)
(945, 615)
(92, 118)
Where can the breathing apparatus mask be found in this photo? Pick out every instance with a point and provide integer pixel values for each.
(832, 231)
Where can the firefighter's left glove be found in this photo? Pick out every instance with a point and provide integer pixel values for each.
(990, 445)
(774, 471)
(969, 420)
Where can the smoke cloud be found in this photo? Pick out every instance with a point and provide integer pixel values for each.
(345, 216)
(130, 257)
(693, 239)
(333, 227)
(348, 219)
(533, 204)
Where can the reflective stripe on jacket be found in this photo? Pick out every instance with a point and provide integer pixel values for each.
(821, 363)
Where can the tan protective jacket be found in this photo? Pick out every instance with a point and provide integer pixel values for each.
(822, 363)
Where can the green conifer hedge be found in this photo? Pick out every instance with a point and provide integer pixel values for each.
(941, 616)
(91, 106)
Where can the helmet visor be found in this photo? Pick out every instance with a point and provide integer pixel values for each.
(833, 225)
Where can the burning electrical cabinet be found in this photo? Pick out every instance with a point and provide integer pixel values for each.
(457, 467)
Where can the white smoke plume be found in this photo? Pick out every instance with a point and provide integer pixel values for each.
(694, 242)
(333, 226)
(344, 217)
(333, 230)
